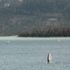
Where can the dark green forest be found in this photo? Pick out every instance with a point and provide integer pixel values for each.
(40, 18)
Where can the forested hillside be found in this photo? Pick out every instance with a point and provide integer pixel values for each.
(35, 17)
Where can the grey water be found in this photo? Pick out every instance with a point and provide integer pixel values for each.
(31, 54)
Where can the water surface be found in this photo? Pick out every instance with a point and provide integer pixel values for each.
(31, 53)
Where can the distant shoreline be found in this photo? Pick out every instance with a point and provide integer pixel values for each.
(33, 38)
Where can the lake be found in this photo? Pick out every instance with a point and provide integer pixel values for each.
(31, 53)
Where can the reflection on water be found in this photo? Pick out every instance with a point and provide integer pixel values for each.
(32, 54)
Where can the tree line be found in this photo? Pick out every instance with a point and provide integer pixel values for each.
(50, 30)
